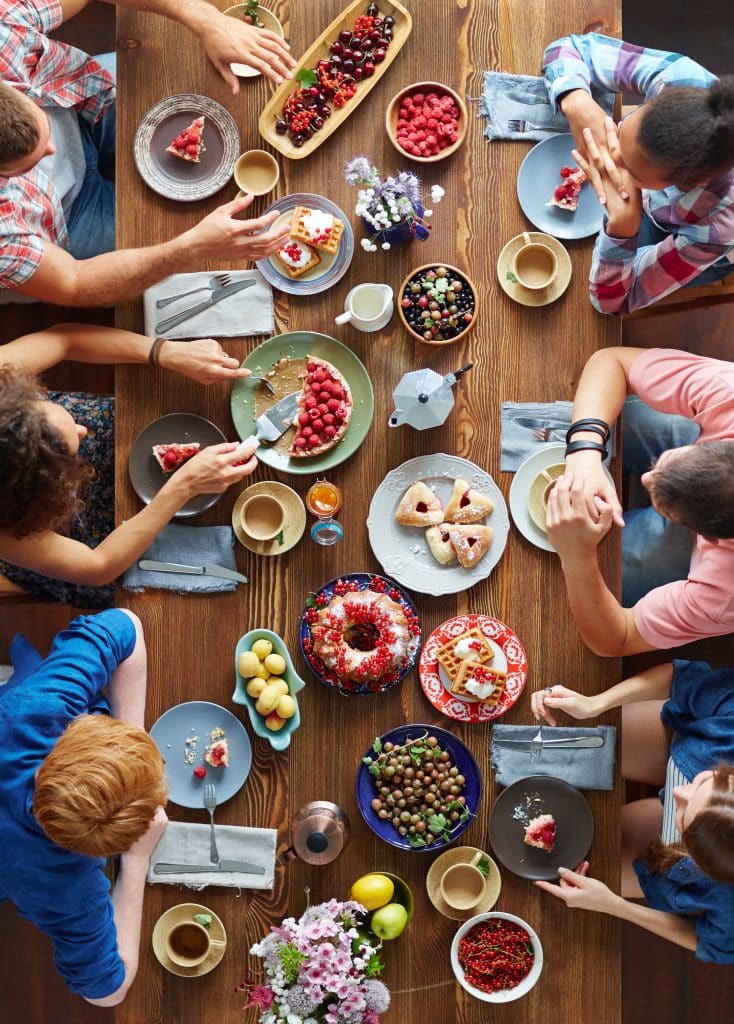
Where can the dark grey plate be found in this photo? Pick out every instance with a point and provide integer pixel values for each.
(536, 795)
(179, 179)
(146, 475)
(539, 174)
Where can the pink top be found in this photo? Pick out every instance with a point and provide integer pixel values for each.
(700, 389)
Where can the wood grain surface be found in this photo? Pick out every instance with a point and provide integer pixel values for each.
(520, 354)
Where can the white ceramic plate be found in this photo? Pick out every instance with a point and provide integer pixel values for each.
(402, 550)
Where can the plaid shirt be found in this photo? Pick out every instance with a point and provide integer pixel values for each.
(700, 223)
(52, 74)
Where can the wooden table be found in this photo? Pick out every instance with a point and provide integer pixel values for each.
(521, 354)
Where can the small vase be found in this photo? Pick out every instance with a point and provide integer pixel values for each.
(402, 231)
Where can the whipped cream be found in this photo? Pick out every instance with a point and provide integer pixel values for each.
(304, 254)
(316, 222)
(464, 650)
(480, 690)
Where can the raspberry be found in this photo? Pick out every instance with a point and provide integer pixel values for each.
(300, 442)
(332, 404)
(306, 432)
(319, 376)
(314, 413)
(303, 419)
(318, 425)
(200, 771)
(560, 193)
(337, 391)
(324, 396)
(314, 440)
(330, 431)
(311, 367)
(309, 402)
(323, 407)
(328, 418)
(192, 150)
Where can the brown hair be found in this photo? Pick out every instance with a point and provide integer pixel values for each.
(709, 839)
(41, 479)
(697, 489)
(98, 790)
(18, 127)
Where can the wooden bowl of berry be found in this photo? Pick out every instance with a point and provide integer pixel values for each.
(438, 304)
(426, 121)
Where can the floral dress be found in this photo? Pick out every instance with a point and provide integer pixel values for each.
(97, 518)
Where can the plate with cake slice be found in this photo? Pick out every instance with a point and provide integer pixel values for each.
(438, 524)
(473, 668)
(553, 191)
(185, 147)
(319, 250)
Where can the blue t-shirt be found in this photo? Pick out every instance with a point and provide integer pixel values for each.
(700, 711)
(64, 894)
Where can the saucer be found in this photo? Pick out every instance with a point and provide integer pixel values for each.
(529, 296)
(462, 855)
(536, 508)
(295, 518)
(185, 912)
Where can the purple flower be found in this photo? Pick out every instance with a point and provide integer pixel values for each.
(376, 995)
(262, 997)
(370, 1017)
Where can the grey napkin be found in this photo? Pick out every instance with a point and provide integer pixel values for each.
(247, 312)
(186, 545)
(186, 843)
(518, 442)
(585, 767)
(508, 97)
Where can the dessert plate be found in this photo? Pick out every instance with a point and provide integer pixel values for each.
(402, 550)
(182, 733)
(249, 399)
(539, 174)
(331, 268)
(509, 657)
(178, 179)
(146, 475)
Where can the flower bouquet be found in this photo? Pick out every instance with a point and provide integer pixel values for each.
(391, 208)
(319, 969)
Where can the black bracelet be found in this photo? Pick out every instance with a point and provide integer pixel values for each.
(583, 446)
(599, 427)
(155, 350)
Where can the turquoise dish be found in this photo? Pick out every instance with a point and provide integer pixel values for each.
(277, 740)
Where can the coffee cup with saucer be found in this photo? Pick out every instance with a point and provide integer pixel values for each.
(558, 275)
(185, 946)
(255, 534)
(468, 856)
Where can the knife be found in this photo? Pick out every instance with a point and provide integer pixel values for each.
(577, 741)
(216, 296)
(195, 869)
(195, 570)
(274, 422)
(531, 423)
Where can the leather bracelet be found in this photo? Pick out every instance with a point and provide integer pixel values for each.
(155, 351)
(599, 427)
(583, 446)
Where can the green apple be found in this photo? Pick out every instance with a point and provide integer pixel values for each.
(388, 922)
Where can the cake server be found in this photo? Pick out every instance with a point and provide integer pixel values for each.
(197, 869)
(573, 741)
(216, 296)
(274, 422)
(194, 570)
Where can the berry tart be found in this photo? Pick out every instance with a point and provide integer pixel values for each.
(541, 832)
(324, 410)
(297, 258)
(217, 755)
(566, 195)
(172, 456)
(188, 144)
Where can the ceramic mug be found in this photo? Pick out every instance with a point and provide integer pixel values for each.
(539, 492)
(368, 307)
(188, 944)
(256, 172)
(535, 265)
(463, 885)
(262, 516)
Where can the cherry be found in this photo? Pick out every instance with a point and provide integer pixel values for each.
(344, 36)
(368, 43)
(336, 61)
(357, 56)
(337, 48)
(379, 55)
(358, 74)
(368, 68)
(348, 54)
(281, 127)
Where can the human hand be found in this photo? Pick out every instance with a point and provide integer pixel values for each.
(587, 467)
(572, 531)
(560, 698)
(221, 235)
(582, 111)
(216, 468)
(142, 848)
(614, 186)
(204, 361)
(231, 41)
(582, 893)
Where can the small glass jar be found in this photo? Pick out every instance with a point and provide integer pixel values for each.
(324, 500)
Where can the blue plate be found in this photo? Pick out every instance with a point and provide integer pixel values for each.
(281, 739)
(197, 718)
(539, 174)
(322, 673)
(461, 756)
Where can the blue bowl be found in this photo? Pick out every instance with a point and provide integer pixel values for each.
(461, 756)
(277, 740)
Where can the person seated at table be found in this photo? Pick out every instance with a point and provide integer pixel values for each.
(678, 553)
(664, 174)
(57, 157)
(79, 786)
(57, 527)
(678, 733)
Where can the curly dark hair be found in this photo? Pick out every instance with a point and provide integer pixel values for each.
(41, 479)
(689, 132)
(697, 489)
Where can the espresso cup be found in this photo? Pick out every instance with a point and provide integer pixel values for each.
(188, 944)
(262, 517)
(463, 885)
(256, 172)
(535, 265)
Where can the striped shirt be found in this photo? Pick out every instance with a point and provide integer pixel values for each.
(699, 223)
(673, 777)
(52, 74)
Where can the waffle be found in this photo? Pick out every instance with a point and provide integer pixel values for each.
(295, 272)
(468, 670)
(452, 663)
(321, 230)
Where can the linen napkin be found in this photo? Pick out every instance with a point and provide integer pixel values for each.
(584, 767)
(186, 545)
(186, 843)
(518, 443)
(507, 97)
(247, 312)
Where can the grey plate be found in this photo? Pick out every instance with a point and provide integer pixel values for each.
(539, 174)
(178, 179)
(197, 718)
(146, 475)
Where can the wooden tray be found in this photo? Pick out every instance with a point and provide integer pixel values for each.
(401, 30)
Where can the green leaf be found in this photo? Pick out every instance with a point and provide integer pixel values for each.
(205, 920)
(437, 824)
(307, 77)
(416, 840)
(466, 813)
(511, 277)
(374, 769)
(280, 539)
(377, 745)
(373, 966)
(311, 602)
(483, 866)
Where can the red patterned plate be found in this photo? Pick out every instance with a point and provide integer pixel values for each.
(509, 656)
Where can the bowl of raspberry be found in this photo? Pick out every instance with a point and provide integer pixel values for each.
(426, 121)
(496, 957)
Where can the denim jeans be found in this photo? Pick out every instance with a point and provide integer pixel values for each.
(651, 234)
(654, 550)
(91, 220)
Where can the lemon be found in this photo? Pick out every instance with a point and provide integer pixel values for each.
(372, 891)
(262, 648)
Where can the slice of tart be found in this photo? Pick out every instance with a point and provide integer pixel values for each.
(467, 505)
(171, 456)
(297, 258)
(189, 144)
(324, 410)
(541, 832)
(566, 195)
(470, 542)
(322, 231)
(217, 755)
(437, 538)
(419, 506)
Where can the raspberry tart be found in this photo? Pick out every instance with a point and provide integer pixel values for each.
(324, 410)
(217, 755)
(541, 832)
(188, 144)
(566, 195)
(171, 456)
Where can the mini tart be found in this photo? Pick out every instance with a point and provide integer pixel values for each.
(188, 144)
(437, 539)
(171, 456)
(471, 543)
(566, 195)
(324, 410)
(541, 832)
(467, 505)
(297, 258)
(217, 755)
(469, 646)
(419, 506)
(322, 231)
(480, 682)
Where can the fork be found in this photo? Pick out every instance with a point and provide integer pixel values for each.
(547, 434)
(518, 125)
(218, 281)
(210, 803)
(265, 381)
(537, 741)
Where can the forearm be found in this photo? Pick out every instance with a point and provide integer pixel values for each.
(127, 685)
(601, 619)
(124, 274)
(677, 929)
(191, 13)
(603, 386)
(127, 905)
(653, 684)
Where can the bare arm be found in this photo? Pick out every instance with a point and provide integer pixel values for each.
(653, 684)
